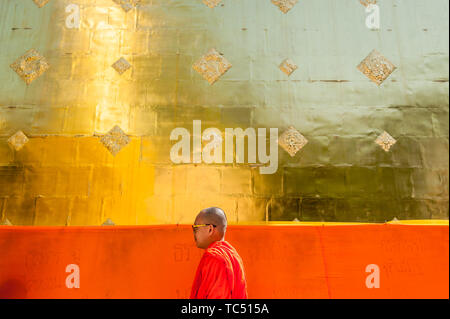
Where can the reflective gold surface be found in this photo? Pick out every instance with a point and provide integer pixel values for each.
(64, 175)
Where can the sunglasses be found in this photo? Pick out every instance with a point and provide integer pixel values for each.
(194, 227)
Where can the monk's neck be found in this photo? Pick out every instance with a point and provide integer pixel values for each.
(216, 241)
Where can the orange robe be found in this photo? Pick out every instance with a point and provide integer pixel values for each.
(220, 274)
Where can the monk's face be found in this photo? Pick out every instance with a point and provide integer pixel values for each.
(202, 235)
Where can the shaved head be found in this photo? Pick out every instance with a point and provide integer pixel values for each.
(214, 216)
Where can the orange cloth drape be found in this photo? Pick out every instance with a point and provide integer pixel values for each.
(280, 261)
(220, 274)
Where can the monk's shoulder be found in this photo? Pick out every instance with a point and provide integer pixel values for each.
(214, 252)
(218, 253)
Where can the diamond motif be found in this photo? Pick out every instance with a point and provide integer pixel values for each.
(18, 140)
(212, 3)
(385, 141)
(41, 3)
(285, 5)
(30, 66)
(376, 67)
(108, 222)
(292, 141)
(6, 222)
(127, 5)
(367, 3)
(121, 65)
(115, 140)
(287, 66)
(212, 66)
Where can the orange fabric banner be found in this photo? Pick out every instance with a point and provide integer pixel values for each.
(281, 261)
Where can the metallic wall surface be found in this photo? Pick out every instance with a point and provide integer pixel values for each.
(60, 163)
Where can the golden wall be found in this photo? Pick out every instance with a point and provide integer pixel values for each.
(85, 135)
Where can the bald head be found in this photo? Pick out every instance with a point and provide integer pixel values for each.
(215, 216)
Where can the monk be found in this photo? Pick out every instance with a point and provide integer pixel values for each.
(220, 274)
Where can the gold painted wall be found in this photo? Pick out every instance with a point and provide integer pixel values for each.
(64, 174)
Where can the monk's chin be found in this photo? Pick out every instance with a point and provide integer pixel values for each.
(199, 246)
